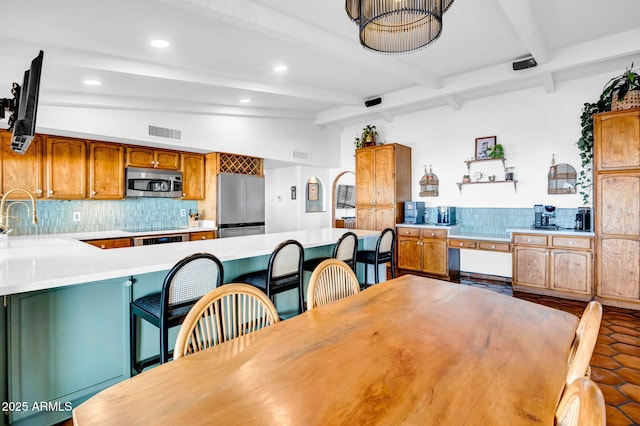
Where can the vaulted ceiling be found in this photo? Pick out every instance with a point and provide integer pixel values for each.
(224, 51)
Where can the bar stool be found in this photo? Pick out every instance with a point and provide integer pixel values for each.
(284, 272)
(345, 250)
(384, 252)
(188, 280)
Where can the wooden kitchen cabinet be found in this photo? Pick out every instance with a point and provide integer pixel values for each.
(140, 156)
(617, 207)
(426, 250)
(65, 168)
(111, 243)
(106, 171)
(21, 170)
(193, 184)
(555, 265)
(383, 183)
(202, 235)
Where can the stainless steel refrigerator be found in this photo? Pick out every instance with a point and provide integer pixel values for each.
(240, 205)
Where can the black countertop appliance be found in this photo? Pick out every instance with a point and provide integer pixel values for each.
(583, 219)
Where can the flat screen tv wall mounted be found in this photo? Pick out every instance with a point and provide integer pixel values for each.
(24, 106)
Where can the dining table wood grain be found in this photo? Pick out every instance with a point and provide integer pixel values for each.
(411, 350)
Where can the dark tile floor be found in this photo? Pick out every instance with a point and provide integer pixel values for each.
(615, 365)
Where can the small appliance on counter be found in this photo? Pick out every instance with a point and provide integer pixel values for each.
(446, 216)
(583, 219)
(414, 212)
(544, 216)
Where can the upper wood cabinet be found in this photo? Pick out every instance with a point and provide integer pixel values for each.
(21, 170)
(617, 140)
(383, 183)
(106, 171)
(139, 156)
(617, 207)
(193, 185)
(66, 168)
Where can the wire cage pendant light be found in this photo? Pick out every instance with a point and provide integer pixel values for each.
(397, 26)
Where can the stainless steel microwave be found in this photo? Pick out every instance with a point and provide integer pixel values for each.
(153, 183)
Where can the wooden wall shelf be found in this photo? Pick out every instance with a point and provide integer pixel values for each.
(460, 184)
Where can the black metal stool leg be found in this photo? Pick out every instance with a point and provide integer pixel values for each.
(132, 342)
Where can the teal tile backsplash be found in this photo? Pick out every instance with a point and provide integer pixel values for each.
(56, 217)
(497, 220)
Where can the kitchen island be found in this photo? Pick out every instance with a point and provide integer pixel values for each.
(65, 331)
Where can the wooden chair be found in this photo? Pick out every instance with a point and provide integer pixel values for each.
(332, 280)
(581, 404)
(186, 282)
(384, 252)
(584, 342)
(223, 314)
(284, 272)
(345, 250)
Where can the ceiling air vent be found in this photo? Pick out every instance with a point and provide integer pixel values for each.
(301, 155)
(163, 132)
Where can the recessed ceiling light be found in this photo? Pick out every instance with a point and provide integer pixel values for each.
(280, 68)
(161, 44)
(245, 101)
(92, 82)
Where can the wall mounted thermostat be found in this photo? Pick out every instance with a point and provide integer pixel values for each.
(293, 192)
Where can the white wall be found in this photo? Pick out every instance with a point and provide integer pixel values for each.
(260, 137)
(284, 214)
(530, 124)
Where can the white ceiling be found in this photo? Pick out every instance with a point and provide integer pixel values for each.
(225, 50)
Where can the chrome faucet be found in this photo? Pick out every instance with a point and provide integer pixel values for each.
(4, 214)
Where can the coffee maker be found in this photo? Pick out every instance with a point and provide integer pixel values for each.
(583, 219)
(414, 212)
(544, 216)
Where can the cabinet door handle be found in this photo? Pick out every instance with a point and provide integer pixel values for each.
(493, 247)
(102, 246)
(128, 283)
(433, 234)
(461, 244)
(50, 192)
(93, 192)
(570, 243)
(38, 191)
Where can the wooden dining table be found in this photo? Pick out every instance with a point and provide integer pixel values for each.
(411, 350)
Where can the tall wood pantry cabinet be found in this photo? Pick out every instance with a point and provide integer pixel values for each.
(617, 207)
(383, 184)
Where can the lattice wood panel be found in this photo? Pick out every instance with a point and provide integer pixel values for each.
(242, 164)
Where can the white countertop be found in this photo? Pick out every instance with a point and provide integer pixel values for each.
(455, 232)
(57, 260)
(571, 232)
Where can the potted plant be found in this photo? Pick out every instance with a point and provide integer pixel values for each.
(614, 92)
(369, 135)
(623, 91)
(357, 142)
(496, 151)
(466, 179)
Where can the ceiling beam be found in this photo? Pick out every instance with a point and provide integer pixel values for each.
(519, 13)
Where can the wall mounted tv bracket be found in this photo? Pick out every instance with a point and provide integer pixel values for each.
(10, 105)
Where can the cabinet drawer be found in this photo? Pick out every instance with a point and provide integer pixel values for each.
(494, 246)
(434, 233)
(111, 243)
(408, 232)
(572, 242)
(536, 240)
(202, 235)
(470, 244)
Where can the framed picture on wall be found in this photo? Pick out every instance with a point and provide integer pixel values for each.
(312, 191)
(483, 146)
